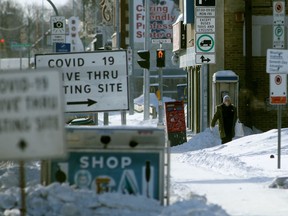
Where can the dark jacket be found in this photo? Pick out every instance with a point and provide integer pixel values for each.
(219, 116)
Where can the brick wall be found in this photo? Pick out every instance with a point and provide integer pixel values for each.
(253, 104)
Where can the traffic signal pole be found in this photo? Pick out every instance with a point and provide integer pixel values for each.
(146, 86)
(160, 53)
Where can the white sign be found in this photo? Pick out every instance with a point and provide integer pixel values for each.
(278, 24)
(73, 38)
(205, 24)
(158, 41)
(205, 43)
(162, 17)
(58, 39)
(31, 115)
(278, 89)
(58, 25)
(92, 81)
(278, 12)
(205, 11)
(205, 59)
(277, 61)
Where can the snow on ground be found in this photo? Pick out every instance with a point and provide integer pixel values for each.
(207, 178)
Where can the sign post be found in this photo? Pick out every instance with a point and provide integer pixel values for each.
(92, 82)
(31, 119)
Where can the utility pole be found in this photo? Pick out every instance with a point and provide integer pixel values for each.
(146, 71)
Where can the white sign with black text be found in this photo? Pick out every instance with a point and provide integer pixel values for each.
(31, 115)
(277, 61)
(92, 81)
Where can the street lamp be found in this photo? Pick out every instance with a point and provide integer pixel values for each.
(54, 8)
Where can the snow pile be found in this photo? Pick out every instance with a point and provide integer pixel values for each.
(61, 199)
(56, 199)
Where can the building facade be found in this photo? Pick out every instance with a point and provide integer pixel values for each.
(244, 32)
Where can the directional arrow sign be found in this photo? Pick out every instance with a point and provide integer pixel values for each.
(277, 61)
(88, 102)
(205, 59)
(92, 81)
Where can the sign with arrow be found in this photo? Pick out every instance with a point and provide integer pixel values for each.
(92, 81)
(31, 115)
(205, 58)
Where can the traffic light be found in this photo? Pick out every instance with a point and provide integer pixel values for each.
(160, 55)
(144, 62)
(2, 43)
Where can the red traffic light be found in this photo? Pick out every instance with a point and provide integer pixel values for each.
(160, 58)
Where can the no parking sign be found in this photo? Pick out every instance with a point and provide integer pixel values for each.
(278, 89)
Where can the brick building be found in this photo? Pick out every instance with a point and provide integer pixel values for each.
(244, 31)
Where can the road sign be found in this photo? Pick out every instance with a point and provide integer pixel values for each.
(205, 24)
(58, 39)
(278, 24)
(205, 11)
(278, 89)
(92, 81)
(205, 58)
(162, 40)
(58, 25)
(63, 47)
(31, 116)
(278, 12)
(278, 36)
(205, 43)
(277, 61)
(205, 2)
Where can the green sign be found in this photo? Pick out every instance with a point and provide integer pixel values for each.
(17, 45)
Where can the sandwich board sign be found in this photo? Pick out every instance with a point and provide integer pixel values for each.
(92, 81)
(113, 159)
(31, 117)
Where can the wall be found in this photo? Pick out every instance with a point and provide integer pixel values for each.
(254, 107)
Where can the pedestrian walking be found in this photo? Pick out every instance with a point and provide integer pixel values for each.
(226, 115)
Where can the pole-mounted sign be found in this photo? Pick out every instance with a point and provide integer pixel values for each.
(93, 81)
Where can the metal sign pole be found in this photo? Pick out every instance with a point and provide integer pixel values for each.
(160, 100)
(22, 187)
(146, 71)
(279, 115)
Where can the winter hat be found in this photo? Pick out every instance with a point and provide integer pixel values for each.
(226, 97)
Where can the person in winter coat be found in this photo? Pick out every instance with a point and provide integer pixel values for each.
(226, 115)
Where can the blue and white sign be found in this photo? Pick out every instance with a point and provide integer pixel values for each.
(63, 47)
(127, 173)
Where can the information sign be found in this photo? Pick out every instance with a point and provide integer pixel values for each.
(205, 11)
(58, 24)
(92, 81)
(277, 61)
(31, 115)
(205, 24)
